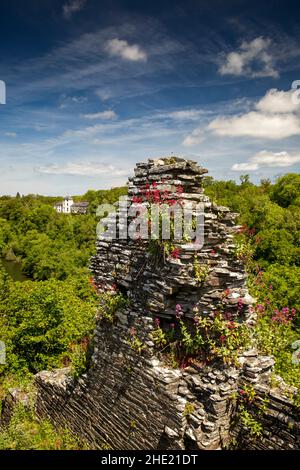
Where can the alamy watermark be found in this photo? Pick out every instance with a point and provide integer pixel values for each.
(296, 93)
(164, 220)
(2, 92)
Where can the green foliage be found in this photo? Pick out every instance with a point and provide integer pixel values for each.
(80, 356)
(250, 408)
(286, 191)
(40, 320)
(249, 422)
(200, 270)
(50, 245)
(136, 344)
(110, 302)
(270, 246)
(206, 339)
(188, 409)
(25, 432)
(276, 340)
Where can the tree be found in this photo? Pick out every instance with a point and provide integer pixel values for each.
(286, 190)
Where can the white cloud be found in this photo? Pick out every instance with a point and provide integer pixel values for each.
(244, 166)
(105, 115)
(278, 101)
(185, 114)
(10, 134)
(182, 114)
(196, 137)
(69, 100)
(104, 94)
(83, 169)
(73, 6)
(121, 48)
(256, 124)
(268, 159)
(252, 59)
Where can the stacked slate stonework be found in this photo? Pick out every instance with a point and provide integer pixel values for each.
(159, 284)
(130, 399)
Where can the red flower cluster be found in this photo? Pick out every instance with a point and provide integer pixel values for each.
(152, 194)
(231, 325)
(175, 253)
(240, 305)
(93, 283)
(132, 331)
(247, 230)
(285, 315)
(137, 199)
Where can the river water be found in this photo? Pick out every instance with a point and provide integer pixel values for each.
(14, 269)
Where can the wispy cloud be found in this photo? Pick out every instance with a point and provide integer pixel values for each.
(268, 159)
(196, 137)
(10, 134)
(83, 169)
(73, 6)
(252, 59)
(105, 115)
(121, 48)
(182, 115)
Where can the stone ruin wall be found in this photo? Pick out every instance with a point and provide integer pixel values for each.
(128, 400)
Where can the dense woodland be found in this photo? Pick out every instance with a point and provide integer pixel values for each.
(47, 321)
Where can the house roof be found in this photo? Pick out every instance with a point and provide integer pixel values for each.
(80, 204)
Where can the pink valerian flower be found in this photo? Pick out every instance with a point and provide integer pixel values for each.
(171, 202)
(154, 184)
(231, 325)
(260, 308)
(179, 189)
(222, 338)
(213, 252)
(257, 240)
(156, 322)
(165, 194)
(285, 315)
(172, 326)
(137, 199)
(270, 287)
(242, 229)
(179, 311)
(132, 331)
(251, 231)
(175, 253)
(240, 305)
(227, 316)
(93, 284)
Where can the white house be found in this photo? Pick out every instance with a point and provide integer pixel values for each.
(68, 206)
(65, 205)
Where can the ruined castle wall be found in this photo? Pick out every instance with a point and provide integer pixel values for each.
(128, 400)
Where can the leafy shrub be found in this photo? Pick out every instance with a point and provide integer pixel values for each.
(25, 432)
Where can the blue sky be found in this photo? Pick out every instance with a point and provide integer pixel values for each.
(95, 86)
